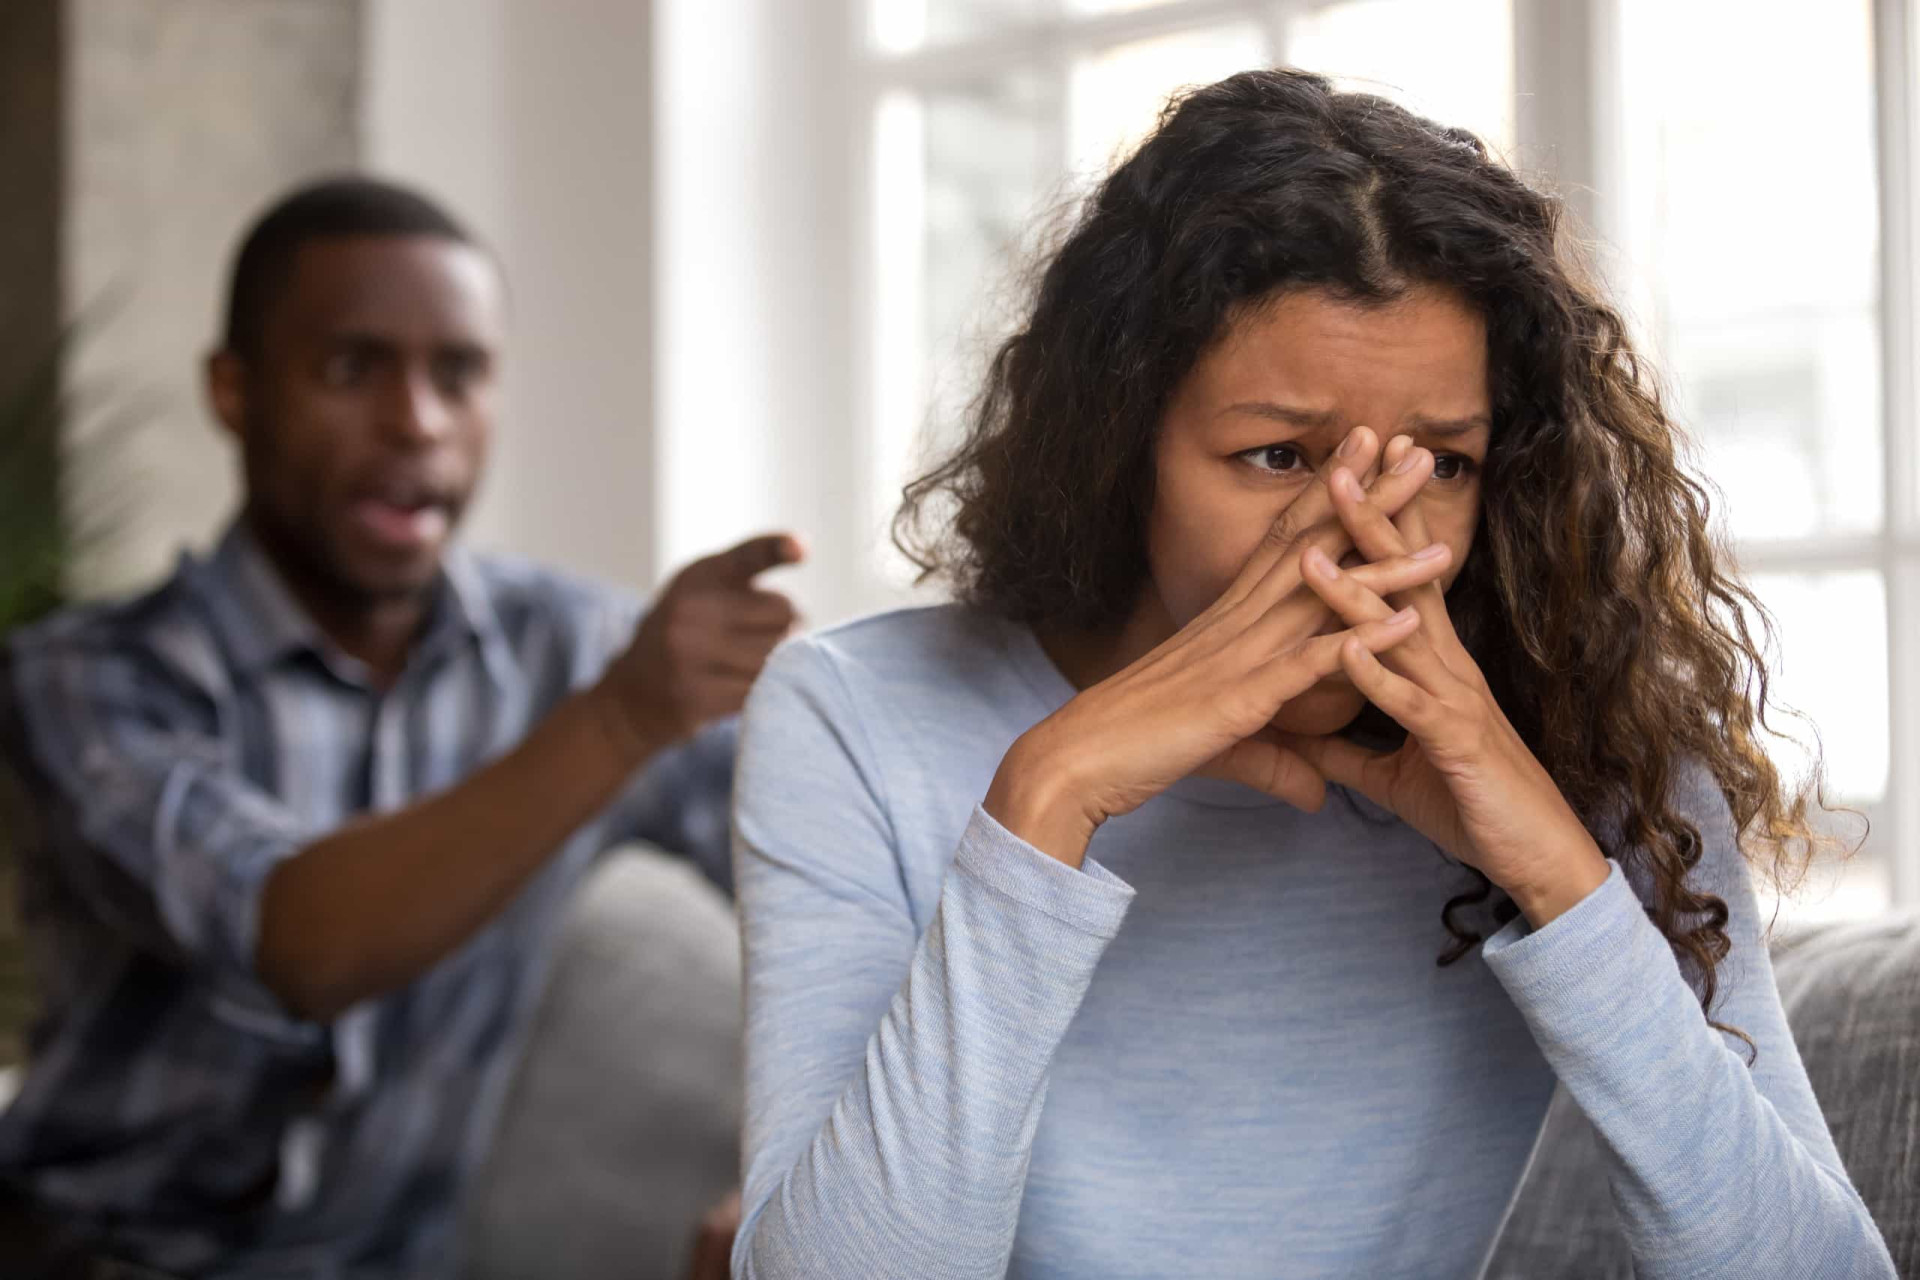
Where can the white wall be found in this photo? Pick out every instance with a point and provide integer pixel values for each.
(756, 414)
(183, 118)
(532, 122)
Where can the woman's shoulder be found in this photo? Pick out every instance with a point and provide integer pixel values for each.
(906, 657)
(913, 708)
(933, 688)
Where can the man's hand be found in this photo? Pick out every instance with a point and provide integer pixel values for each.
(694, 657)
(713, 1243)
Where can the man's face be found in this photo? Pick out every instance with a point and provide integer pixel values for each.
(365, 416)
(1256, 423)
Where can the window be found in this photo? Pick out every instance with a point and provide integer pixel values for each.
(1763, 293)
(1760, 294)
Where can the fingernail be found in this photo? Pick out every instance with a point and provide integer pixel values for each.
(1402, 618)
(1432, 551)
(1319, 562)
(1351, 445)
(1407, 463)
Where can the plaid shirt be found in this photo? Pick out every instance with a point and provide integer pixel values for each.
(173, 750)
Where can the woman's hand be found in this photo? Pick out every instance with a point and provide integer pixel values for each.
(1464, 779)
(1198, 699)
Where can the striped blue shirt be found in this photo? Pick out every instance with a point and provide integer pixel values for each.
(174, 749)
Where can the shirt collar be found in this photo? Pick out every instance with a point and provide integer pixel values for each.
(261, 623)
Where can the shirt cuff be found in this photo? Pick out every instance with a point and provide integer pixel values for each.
(1590, 972)
(1091, 898)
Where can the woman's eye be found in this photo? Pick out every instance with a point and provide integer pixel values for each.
(1451, 466)
(1277, 458)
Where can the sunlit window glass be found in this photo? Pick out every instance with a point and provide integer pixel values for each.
(1757, 280)
(1452, 62)
(1117, 93)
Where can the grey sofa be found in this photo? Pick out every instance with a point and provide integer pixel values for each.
(622, 1126)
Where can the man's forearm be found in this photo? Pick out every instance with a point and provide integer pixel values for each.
(371, 907)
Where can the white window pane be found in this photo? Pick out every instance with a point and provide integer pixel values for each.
(959, 177)
(1757, 289)
(898, 26)
(1118, 92)
(1451, 62)
(1832, 666)
(1113, 6)
(1841, 886)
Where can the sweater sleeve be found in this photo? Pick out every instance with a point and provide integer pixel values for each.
(1717, 1168)
(894, 1077)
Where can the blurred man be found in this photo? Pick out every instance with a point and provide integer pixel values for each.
(304, 817)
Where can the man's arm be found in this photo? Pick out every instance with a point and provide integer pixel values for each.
(372, 906)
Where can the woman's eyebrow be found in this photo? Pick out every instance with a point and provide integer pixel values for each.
(1284, 413)
(1438, 428)
(1448, 428)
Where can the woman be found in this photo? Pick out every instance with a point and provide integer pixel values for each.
(1314, 462)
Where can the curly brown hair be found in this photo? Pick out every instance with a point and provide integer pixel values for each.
(1596, 599)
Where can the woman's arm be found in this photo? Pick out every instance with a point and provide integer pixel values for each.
(893, 1084)
(1716, 1169)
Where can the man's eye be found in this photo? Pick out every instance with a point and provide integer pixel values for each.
(1277, 458)
(345, 368)
(456, 375)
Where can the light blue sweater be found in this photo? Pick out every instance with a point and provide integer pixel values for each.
(1220, 1048)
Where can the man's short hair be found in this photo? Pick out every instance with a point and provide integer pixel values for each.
(325, 210)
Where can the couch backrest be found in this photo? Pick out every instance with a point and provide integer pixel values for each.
(622, 1127)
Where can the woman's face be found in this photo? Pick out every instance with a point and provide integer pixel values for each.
(1257, 420)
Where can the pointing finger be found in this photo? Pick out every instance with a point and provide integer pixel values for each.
(739, 565)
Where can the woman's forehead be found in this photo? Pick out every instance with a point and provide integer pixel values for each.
(1422, 355)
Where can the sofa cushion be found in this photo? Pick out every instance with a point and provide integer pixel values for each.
(622, 1126)
(1852, 997)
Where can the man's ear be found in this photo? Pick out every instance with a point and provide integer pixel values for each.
(227, 392)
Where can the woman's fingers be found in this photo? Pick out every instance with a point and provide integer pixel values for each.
(1270, 572)
(1347, 763)
(1404, 471)
(1429, 599)
(1311, 520)
(1369, 523)
(1298, 668)
(1297, 614)
(1265, 765)
(1409, 704)
(1401, 573)
(1380, 535)
(1354, 602)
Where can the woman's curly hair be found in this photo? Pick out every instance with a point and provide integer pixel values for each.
(1595, 599)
